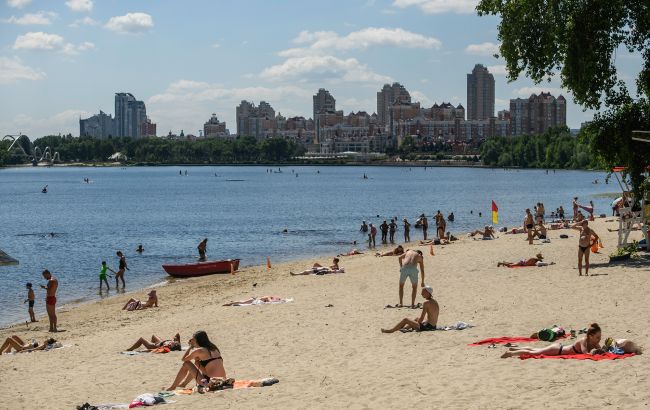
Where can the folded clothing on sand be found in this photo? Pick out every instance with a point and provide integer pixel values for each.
(583, 356)
(506, 339)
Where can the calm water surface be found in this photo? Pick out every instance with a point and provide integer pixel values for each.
(242, 210)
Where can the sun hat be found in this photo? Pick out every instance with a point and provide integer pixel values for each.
(428, 289)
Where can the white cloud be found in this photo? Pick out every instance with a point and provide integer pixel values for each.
(439, 6)
(501, 103)
(13, 70)
(130, 23)
(40, 41)
(323, 68)
(80, 5)
(63, 122)
(18, 3)
(483, 49)
(86, 21)
(216, 45)
(363, 39)
(497, 69)
(423, 99)
(527, 91)
(40, 18)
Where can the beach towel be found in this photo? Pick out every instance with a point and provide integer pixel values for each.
(326, 271)
(507, 339)
(258, 302)
(455, 326)
(582, 356)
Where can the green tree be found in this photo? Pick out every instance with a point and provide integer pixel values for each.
(579, 40)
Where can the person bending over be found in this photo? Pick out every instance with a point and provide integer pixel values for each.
(200, 362)
(156, 342)
(430, 311)
(588, 344)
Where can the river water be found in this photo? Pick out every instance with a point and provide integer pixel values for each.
(242, 210)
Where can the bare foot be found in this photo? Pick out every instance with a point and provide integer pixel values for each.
(506, 355)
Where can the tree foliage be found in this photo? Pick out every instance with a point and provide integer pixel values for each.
(580, 40)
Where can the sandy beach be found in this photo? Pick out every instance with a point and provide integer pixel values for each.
(336, 357)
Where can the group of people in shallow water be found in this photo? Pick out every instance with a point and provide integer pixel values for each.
(388, 230)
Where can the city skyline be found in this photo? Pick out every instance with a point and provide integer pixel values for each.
(59, 60)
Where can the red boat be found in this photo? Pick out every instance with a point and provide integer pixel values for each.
(189, 270)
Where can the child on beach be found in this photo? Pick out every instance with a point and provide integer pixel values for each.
(102, 276)
(430, 310)
(30, 299)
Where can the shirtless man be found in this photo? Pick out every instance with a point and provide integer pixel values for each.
(408, 263)
(430, 310)
(586, 239)
(575, 208)
(50, 298)
(407, 231)
(425, 226)
(392, 227)
(528, 224)
(202, 248)
(487, 233)
(540, 230)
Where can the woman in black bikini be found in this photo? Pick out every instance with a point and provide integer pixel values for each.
(122, 268)
(587, 238)
(587, 344)
(201, 361)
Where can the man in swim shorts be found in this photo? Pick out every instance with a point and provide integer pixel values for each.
(408, 263)
(528, 224)
(50, 298)
(430, 311)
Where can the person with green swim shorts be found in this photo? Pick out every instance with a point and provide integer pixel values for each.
(408, 263)
(102, 276)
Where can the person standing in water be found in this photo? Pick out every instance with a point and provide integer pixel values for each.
(50, 298)
(102, 276)
(407, 231)
(31, 299)
(121, 269)
(202, 248)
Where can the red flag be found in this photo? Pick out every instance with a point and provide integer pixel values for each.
(495, 213)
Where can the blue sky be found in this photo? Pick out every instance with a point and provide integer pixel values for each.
(187, 59)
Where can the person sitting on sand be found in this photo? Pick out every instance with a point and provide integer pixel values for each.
(20, 346)
(200, 362)
(254, 300)
(525, 262)
(539, 230)
(395, 252)
(156, 343)
(430, 309)
(135, 304)
(588, 345)
(486, 233)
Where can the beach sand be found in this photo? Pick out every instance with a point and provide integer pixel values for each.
(336, 357)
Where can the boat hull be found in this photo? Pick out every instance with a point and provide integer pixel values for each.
(189, 270)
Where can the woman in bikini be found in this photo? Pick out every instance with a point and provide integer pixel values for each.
(20, 346)
(587, 344)
(122, 268)
(523, 262)
(156, 342)
(201, 361)
(586, 239)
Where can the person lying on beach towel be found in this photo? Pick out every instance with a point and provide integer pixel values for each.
(351, 253)
(135, 304)
(589, 344)
(395, 252)
(157, 344)
(20, 346)
(536, 261)
(430, 310)
(486, 233)
(318, 271)
(263, 300)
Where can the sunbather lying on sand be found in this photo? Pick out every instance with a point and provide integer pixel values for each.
(395, 252)
(253, 300)
(525, 262)
(430, 310)
(351, 253)
(20, 346)
(319, 269)
(486, 233)
(135, 304)
(156, 342)
(588, 344)
(619, 346)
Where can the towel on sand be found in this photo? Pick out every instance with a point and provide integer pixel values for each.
(257, 302)
(583, 356)
(506, 339)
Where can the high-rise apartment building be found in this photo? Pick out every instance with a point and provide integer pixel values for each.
(148, 128)
(323, 102)
(255, 121)
(214, 128)
(480, 94)
(536, 114)
(99, 125)
(129, 115)
(386, 97)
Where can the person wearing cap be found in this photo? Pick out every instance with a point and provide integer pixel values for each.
(135, 304)
(428, 319)
(30, 298)
(407, 231)
(408, 268)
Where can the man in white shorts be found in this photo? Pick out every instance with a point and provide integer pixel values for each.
(408, 263)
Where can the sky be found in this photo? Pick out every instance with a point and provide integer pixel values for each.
(65, 59)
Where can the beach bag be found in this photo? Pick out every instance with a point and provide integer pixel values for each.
(546, 335)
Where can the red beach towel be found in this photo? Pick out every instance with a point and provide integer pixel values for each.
(583, 356)
(506, 339)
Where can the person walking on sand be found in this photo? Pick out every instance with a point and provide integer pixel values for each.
(392, 227)
(586, 239)
(102, 276)
(425, 225)
(407, 231)
(430, 310)
(529, 224)
(203, 245)
(50, 298)
(31, 299)
(408, 268)
(121, 269)
(372, 237)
